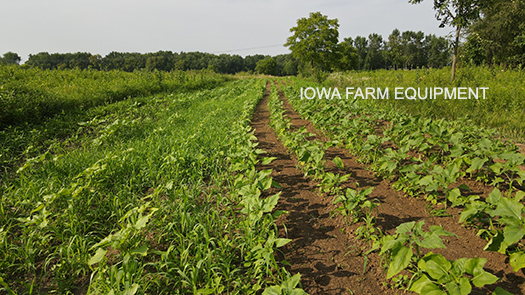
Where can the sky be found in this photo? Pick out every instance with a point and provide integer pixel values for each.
(244, 27)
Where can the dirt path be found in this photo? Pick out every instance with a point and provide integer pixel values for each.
(324, 249)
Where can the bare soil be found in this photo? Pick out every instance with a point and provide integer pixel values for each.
(324, 249)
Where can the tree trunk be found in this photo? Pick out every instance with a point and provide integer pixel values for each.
(455, 56)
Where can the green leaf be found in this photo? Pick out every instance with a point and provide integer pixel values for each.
(519, 196)
(281, 242)
(432, 289)
(99, 255)
(338, 163)
(472, 209)
(401, 257)
(406, 227)
(425, 286)
(454, 197)
(474, 265)
(497, 243)
(430, 241)
(517, 260)
(494, 196)
(477, 163)
(496, 168)
(265, 183)
(141, 222)
(292, 282)
(438, 230)
(426, 180)
(267, 160)
(484, 278)
(420, 283)
(270, 203)
(273, 290)
(133, 289)
(142, 250)
(453, 288)
(435, 265)
(276, 184)
(464, 286)
(500, 291)
(508, 208)
(513, 233)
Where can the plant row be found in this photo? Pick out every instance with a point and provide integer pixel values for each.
(428, 158)
(162, 197)
(401, 251)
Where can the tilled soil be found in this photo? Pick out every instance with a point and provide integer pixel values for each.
(324, 249)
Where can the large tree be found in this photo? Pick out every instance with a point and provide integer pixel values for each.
(457, 13)
(394, 49)
(315, 40)
(10, 58)
(500, 32)
(374, 58)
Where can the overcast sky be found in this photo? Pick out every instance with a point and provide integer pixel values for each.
(244, 27)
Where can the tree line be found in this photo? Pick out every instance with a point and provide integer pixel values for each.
(285, 64)
(315, 42)
(494, 30)
(407, 50)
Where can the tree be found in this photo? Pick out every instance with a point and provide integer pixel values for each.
(499, 32)
(438, 51)
(374, 58)
(267, 66)
(315, 40)
(394, 49)
(361, 45)
(457, 13)
(348, 58)
(10, 58)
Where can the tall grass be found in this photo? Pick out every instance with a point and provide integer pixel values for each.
(40, 109)
(503, 108)
(142, 203)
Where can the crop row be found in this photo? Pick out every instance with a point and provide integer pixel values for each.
(401, 250)
(161, 197)
(428, 157)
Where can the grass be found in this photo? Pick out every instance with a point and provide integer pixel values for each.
(40, 109)
(503, 108)
(138, 197)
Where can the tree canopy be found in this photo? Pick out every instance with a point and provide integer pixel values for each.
(498, 37)
(315, 40)
(10, 58)
(457, 13)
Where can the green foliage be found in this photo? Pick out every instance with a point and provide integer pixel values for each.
(266, 66)
(10, 58)
(315, 40)
(288, 287)
(353, 202)
(155, 194)
(441, 276)
(495, 38)
(410, 237)
(502, 108)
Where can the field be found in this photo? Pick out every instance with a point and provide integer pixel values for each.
(198, 183)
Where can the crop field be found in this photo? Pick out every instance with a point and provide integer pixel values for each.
(199, 183)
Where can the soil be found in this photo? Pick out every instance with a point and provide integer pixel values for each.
(324, 248)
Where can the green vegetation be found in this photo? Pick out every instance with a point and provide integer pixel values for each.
(503, 108)
(43, 109)
(498, 38)
(151, 194)
(427, 158)
(160, 61)
(314, 43)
